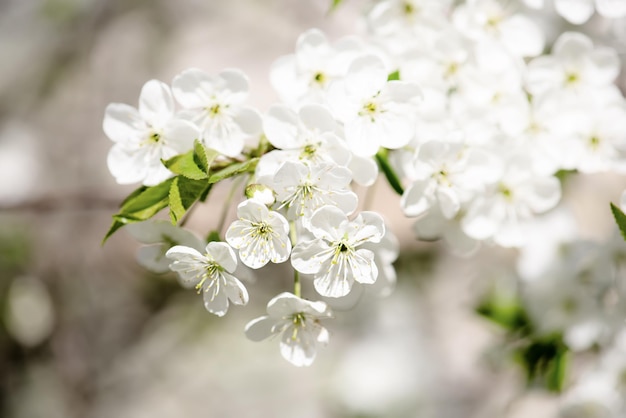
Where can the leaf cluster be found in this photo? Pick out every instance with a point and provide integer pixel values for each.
(195, 175)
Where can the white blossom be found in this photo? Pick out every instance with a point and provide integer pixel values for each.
(301, 189)
(376, 113)
(316, 63)
(297, 321)
(334, 257)
(261, 235)
(216, 105)
(210, 274)
(160, 236)
(145, 136)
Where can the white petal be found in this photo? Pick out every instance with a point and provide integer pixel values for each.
(448, 202)
(575, 11)
(304, 256)
(123, 124)
(297, 346)
(522, 36)
(546, 193)
(318, 118)
(606, 66)
(414, 201)
(223, 255)
(127, 166)
(259, 328)
(611, 9)
(216, 303)
(193, 88)
(235, 290)
(366, 77)
(179, 135)
(152, 257)
(249, 121)
(363, 136)
(364, 170)
(285, 304)
(368, 227)
(622, 201)
(156, 104)
(236, 82)
(281, 127)
(325, 221)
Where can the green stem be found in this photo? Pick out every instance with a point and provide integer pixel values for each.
(227, 203)
(388, 171)
(297, 286)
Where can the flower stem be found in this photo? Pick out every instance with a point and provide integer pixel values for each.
(297, 287)
(229, 198)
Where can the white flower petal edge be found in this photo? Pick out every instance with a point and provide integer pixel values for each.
(297, 321)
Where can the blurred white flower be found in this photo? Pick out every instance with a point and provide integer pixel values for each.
(160, 237)
(297, 321)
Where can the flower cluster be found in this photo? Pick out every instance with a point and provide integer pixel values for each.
(454, 104)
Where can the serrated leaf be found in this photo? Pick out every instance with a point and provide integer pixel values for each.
(233, 170)
(114, 227)
(203, 156)
(142, 204)
(620, 218)
(394, 76)
(185, 165)
(183, 194)
(388, 171)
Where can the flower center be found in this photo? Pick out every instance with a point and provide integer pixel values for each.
(594, 142)
(262, 230)
(506, 192)
(319, 78)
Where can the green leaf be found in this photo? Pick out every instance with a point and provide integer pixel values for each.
(335, 4)
(214, 236)
(141, 205)
(504, 311)
(183, 194)
(185, 165)
(390, 174)
(234, 170)
(620, 218)
(203, 156)
(394, 76)
(546, 361)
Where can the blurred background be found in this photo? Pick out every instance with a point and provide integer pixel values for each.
(86, 332)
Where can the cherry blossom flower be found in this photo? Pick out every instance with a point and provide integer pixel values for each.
(334, 257)
(298, 323)
(376, 113)
(301, 189)
(575, 66)
(210, 273)
(499, 21)
(160, 237)
(216, 105)
(307, 74)
(145, 136)
(261, 235)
